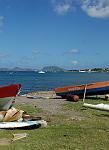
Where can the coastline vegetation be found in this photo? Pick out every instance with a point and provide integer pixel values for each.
(91, 70)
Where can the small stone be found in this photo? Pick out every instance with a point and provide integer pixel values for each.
(107, 97)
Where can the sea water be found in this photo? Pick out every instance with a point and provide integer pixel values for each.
(33, 81)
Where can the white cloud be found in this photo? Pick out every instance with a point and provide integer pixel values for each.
(62, 7)
(74, 62)
(73, 51)
(96, 8)
(35, 52)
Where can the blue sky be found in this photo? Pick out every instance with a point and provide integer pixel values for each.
(72, 34)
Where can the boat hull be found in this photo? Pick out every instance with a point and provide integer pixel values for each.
(10, 90)
(8, 125)
(98, 88)
(7, 96)
(5, 103)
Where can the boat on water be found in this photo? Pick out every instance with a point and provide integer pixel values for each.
(98, 88)
(41, 71)
(7, 95)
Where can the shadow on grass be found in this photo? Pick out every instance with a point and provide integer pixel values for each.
(94, 98)
(81, 97)
(25, 128)
(103, 115)
(58, 98)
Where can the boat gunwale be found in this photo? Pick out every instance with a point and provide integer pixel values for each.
(93, 91)
(82, 87)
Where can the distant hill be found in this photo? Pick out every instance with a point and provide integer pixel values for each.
(21, 69)
(16, 69)
(45, 69)
(4, 69)
(52, 69)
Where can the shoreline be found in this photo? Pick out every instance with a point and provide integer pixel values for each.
(41, 93)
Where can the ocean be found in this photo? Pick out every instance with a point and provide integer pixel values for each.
(33, 81)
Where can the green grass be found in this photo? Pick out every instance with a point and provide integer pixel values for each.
(29, 109)
(91, 133)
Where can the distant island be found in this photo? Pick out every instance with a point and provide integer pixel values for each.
(45, 69)
(55, 69)
(16, 69)
(52, 69)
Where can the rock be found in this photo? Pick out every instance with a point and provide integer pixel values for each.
(107, 97)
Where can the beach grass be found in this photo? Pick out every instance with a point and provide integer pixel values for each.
(89, 131)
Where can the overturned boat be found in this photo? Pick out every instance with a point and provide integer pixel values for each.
(7, 95)
(103, 107)
(23, 124)
(98, 88)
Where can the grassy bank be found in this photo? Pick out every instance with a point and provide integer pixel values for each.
(89, 131)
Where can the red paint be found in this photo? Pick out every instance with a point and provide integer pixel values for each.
(10, 90)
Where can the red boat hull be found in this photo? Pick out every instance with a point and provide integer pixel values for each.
(10, 90)
(7, 95)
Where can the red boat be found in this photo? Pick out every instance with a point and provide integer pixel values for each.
(98, 88)
(7, 95)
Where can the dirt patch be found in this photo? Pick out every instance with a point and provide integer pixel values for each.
(5, 141)
(49, 103)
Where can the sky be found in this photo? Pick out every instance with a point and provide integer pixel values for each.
(72, 34)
